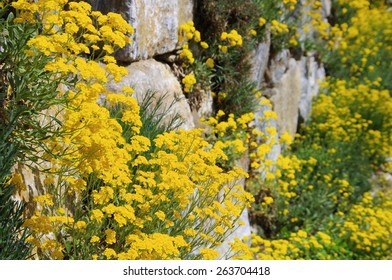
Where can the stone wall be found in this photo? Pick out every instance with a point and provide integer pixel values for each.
(156, 24)
(288, 82)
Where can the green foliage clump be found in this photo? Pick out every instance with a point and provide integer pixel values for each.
(26, 91)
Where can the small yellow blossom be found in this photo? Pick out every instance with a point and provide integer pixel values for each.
(161, 215)
(268, 200)
(210, 63)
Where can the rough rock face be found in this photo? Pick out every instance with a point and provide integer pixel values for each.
(151, 75)
(204, 107)
(290, 84)
(156, 24)
(311, 75)
(259, 61)
(327, 6)
(285, 78)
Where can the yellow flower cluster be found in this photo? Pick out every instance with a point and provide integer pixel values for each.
(186, 54)
(91, 141)
(355, 112)
(370, 44)
(368, 226)
(230, 135)
(279, 27)
(187, 31)
(209, 254)
(359, 4)
(189, 81)
(262, 21)
(263, 141)
(60, 28)
(231, 39)
(290, 3)
(335, 119)
(195, 199)
(178, 197)
(317, 23)
(300, 245)
(286, 138)
(93, 144)
(210, 63)
(152, 247)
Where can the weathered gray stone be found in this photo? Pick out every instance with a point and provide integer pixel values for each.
(311, 75)
(327, 5)
(202, 106)
(279, 65)
(151, 75)
(259, 61)
(286, 80)
(156, 24)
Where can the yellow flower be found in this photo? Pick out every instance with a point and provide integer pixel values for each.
(189, 81)
(45, 199)
(269, 177)
(109, 253)
(94, 239)
(293, 41)
(110, 236)
(262, 21)
(224, 49)
(187, 54)
(190, 232)
(219, 230)
(204, 45)
(223, 36)
(252, 32)
(197, 37)
(286, 138)
(128, 90)
(17, 180)
(97, 215)
(161, 216)
(302, 234)
(209, 254)
(81, 225)
(268, 200)
(210, 63)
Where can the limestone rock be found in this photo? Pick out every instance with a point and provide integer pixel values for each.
(259, 61)
(327, 6)
(279, 65)
(286, 80)
(156, 24)
(151, 75)
(311, 75)
(202, 106)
